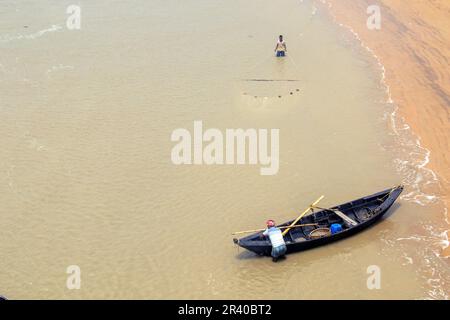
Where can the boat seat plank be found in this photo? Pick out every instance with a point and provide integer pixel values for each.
(346, 218)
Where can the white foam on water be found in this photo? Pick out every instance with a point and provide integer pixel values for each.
(408, 259)
(58, 68)
(429, 263)
(7, 38)
(414, 170)
(415, 238)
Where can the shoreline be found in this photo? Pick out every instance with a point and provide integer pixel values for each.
(410, 49)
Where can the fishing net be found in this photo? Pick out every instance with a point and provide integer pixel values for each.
(271, 79)
(319, 233)
(363, 214)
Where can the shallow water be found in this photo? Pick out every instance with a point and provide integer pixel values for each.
(87, 117)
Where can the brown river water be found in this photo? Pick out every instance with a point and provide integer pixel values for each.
(87, 176)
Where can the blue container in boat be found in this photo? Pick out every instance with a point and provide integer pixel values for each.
(335, 228)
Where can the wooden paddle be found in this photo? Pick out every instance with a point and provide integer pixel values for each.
(303, 213)
(258, 230)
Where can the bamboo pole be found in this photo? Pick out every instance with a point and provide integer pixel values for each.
(303, 213)
(258, 230)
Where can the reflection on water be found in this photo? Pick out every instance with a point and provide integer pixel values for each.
(86, 124)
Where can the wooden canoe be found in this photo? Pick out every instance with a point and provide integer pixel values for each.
(364, 211)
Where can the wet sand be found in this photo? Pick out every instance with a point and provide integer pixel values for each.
(413, 45)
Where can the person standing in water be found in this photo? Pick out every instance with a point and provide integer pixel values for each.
(280, 48)
(276, 239)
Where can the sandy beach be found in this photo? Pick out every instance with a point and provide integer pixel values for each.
(413, 44)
